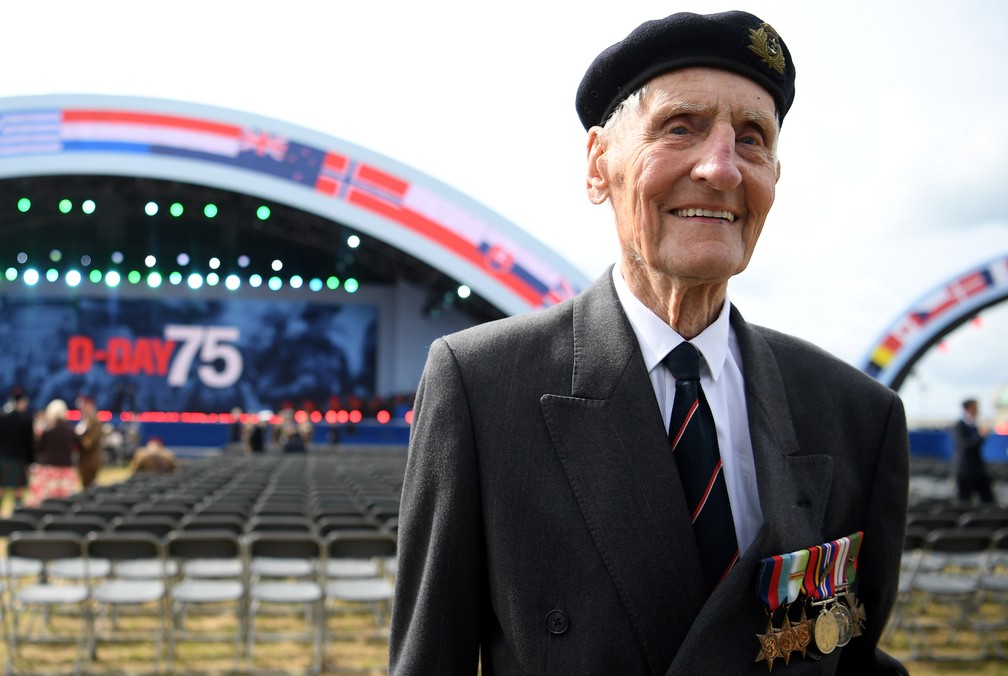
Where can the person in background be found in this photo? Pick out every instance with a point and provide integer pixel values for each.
(968, 465)
(17, 446)
(90, 437)
(637, 480)
(154, 457)
(54, 474)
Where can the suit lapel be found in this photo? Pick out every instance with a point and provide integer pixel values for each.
(793, 485)
(613, 446)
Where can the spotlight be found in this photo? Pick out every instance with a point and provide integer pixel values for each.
(255, 281)
(464, 291)
(112, 278)
(263, 212)
(117, 257)
(24, 204)
(210, 210)
(88, 206)
(175, 278)
(232, 282)
(182, 259)
(350, 285)
(296, 282)
(277, 265)
(151, 208)
(65, 206)
(31, 276)
(52, 275)
(150, 261)
(275, 283)
(72, 277)
(175, 209)
(353, 241)
(154, 279)
(195, 280)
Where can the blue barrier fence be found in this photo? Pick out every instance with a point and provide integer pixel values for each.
(938, 444)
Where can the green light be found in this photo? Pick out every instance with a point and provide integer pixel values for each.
(332, 282)
(176, 209)
(24, 204)
(112, 278)
(88, 206)
(210, 210)
(154, 279)
(65, 206)
(263, 212)
(52, 274)
(350, 285)
(275, 283)
(11, 274)
(175, 278)
(212, 279)
(134, 276)
(95, 276)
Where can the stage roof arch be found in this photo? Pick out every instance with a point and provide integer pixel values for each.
(932, 317)
(291, 165)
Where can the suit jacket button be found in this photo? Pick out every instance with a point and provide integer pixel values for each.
(556, 622)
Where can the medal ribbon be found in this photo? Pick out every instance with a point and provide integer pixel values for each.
(780, 578)
(840, 567)
(852, 557)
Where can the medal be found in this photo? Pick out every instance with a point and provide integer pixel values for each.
(845, 623)
(769, 650)
(780, 580)
(819, 587)
(826, 632)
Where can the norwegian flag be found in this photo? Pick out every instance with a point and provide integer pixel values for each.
(263, 144)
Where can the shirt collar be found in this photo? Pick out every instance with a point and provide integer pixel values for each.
(657, 339)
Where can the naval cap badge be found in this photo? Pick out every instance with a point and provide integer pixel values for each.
(765, 43)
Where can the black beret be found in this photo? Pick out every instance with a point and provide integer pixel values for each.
(734, 41)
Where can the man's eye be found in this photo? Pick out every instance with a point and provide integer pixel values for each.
(679, 131)
(750, 140)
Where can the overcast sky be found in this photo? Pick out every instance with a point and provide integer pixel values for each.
(894, 155)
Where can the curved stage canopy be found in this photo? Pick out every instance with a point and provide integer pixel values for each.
(932, 317)
(74, 135)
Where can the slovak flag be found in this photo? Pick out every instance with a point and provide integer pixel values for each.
(263, 144)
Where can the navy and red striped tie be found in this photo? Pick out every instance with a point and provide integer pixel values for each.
(695, 448)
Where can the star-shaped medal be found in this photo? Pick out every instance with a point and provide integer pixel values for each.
(769, 649)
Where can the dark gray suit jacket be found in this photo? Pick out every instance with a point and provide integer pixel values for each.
(543, 525)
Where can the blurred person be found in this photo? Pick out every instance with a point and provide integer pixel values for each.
(968, 465)
(154, 457)
(614, 485)
(17, 446)
(54, 474)
(90, 437)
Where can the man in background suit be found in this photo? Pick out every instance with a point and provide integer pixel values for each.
(544, 527)
(967, 463)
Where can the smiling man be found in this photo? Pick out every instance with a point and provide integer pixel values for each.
(638, 481)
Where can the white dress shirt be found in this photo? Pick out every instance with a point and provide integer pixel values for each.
(724, 386)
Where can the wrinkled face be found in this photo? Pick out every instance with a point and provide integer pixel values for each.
(691, 175)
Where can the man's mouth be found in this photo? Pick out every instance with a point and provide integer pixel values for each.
(706, 213)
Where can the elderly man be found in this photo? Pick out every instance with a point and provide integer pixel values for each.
(637, 481)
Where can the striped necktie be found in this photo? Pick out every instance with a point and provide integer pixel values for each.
(695, 448)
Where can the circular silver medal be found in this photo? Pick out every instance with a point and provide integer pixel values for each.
(845, 623)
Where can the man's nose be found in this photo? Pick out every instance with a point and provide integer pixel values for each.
(717, 163)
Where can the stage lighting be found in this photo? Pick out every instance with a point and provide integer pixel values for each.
(134, 276)
(175, 278)
(232, 282)
(275, 283)
(175, 209)
(464, 291)
(255, 281)
(182, 259)
(85, 260)
(22, 258)
(88, 206)
(243, 261)
(263, 212)
(52, 274)
(24, 204)
(151, 208)
(353, 241)
(65, 206)
(195, 280)
(350, 285)
(112, 278)
(332, 283)
(72, 277)
(214, 263)
(55, 255)
(117, 257)
(315, 284)
(212, 279)
(11, 274)
(296, 282)
(277, 265)
(95, 276)
(31, 276)
(150, 261)
(210, 210)
(154, 279)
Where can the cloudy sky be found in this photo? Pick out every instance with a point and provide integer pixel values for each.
(894, 156)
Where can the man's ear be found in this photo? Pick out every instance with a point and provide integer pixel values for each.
(777, 177)
(597, 182)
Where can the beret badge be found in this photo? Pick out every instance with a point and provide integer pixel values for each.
(764, 43)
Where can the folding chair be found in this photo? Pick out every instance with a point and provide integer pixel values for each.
(285, 570)
(146, 596)
(356, 574)
(945, 597)
(31, 619)
(212, 579)
(993, 595)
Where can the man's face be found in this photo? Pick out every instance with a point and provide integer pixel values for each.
(691, 175)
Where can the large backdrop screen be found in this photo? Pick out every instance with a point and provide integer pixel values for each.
(185, 355)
